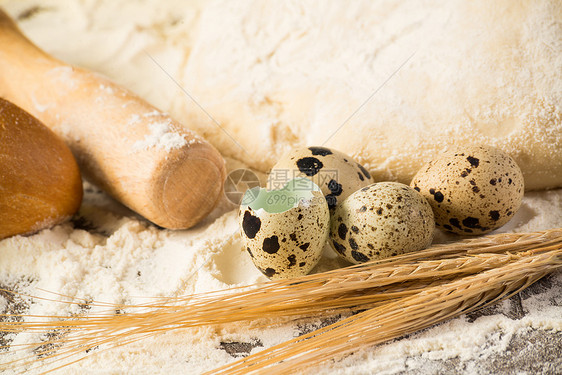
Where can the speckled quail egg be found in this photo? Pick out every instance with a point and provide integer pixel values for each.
(285, 230)
(336, 173)
(381, 220)
(472, 189)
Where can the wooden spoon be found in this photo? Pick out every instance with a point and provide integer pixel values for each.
(40, 183)
(139, 155)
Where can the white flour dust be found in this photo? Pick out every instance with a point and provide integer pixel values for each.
(107, 253)
(161, 136)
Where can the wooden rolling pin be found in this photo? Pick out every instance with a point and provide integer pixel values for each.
(139, 155)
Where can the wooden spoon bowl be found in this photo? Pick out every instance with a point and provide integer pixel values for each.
(40, 183)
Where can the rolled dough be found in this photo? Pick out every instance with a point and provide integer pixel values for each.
(279, 74)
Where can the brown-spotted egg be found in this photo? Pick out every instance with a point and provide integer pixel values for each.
(285, 230)
(336, 173)
(381, 220)
(472, 189)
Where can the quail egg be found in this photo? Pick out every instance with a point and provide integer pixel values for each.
(285, 230)
(472, 190)
(381, 220)
(336, 173)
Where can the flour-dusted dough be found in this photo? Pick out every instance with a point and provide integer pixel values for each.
(280, 74)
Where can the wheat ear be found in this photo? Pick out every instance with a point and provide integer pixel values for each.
(398, 318)
(361, 286)
(362, 290)
(391, 274)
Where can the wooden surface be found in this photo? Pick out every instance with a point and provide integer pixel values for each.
(140, 156)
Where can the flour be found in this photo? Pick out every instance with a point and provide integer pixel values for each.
(154, 113)
(161, 136)
(64, 76)
(134, 119)
(472, 344)
(38, 106)
(107, 253)
(107, 89)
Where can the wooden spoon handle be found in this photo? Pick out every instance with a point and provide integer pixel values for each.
(139, 155)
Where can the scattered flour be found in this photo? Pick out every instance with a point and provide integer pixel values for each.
(154, 113)
(134, 119)
(64, 76)
(106, 253)
(38, 106)
(107, 89)
(161, 136)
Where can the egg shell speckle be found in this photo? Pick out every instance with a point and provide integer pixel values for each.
(336, 173)
(381, 220)
(287, 244)
(472, 190)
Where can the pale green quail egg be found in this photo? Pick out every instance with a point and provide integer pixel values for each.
(285, 230)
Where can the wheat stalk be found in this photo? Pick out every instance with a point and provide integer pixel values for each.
(396, 319)
(364, 289)
(441, 261)
(362, 286)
